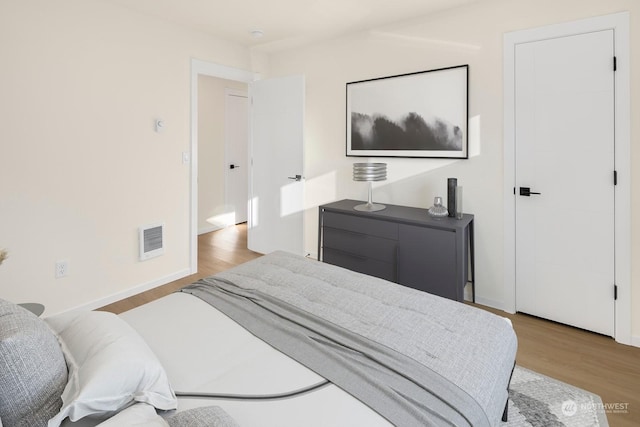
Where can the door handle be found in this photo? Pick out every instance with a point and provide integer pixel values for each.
(296, 178)
(526, 191)
(232, 166)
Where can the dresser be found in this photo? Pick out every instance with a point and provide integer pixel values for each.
(400, 244)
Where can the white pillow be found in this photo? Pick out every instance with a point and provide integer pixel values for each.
(139, 415)
(110, 366)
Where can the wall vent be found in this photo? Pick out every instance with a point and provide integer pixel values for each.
(151, 241)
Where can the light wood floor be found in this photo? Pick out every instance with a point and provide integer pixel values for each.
(217, 251)
(584, 359)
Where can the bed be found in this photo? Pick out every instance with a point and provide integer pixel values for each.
(279, 341)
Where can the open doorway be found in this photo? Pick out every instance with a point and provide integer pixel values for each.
(222, 153)
(199, 70)
(277, 113)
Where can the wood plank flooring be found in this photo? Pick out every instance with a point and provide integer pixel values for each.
(586, 360)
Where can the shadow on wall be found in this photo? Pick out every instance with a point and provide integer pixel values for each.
(330, 186)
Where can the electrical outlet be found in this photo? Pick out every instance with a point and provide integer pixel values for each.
(62, 269)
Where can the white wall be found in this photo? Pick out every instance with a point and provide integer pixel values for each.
(81, 167)
(211, 151)
(468, 35)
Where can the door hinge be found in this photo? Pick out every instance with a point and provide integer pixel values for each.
(615, 177)
(615, 64)
(615, 292)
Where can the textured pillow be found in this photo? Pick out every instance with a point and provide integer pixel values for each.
(139, 415)
(33, 372)
(207, 416)
(110, 367)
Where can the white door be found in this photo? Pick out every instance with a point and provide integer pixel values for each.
(564, 142)
(277, 136)
(236, 155)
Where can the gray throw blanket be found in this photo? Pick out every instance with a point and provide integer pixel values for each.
(398, 387)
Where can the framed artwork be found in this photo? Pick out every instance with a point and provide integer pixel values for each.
(423, 114)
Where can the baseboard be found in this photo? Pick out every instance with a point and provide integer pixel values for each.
(209, 229)
(635, 339)
(129, 292)
(490, 303)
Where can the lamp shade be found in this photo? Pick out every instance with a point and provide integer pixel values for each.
(369, 172)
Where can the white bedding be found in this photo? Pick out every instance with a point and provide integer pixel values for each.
(459, 357)
(202, 350)
(231, 360)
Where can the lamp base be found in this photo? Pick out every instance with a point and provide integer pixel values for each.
(369, 207)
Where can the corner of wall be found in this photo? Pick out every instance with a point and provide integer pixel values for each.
(259, 61)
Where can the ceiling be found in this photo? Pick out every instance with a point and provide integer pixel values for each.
(285, 23)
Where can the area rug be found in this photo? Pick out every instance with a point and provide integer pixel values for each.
(536, 400)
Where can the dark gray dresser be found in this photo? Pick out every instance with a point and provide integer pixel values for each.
(401, 244)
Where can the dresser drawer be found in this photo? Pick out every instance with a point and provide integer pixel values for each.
(362, 245)
(401, 244)
(372, 267)
(358, 224)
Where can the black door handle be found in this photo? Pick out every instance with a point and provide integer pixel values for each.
(526, 191)
(232, 166)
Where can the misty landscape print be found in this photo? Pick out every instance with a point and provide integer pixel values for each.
(410, 132)
(421, 114)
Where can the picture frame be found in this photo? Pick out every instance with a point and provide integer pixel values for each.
(423, 114)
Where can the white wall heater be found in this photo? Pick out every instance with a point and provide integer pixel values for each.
(151, 241)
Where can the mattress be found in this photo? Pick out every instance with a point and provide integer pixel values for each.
(204, 351)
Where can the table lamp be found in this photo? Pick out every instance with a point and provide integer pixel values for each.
(369, 172)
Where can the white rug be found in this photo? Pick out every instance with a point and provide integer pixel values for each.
(536, 400)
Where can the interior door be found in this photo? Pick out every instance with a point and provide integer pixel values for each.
(236, 155)
(276, 178)
(565, 180)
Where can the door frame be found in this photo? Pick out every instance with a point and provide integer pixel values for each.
(243, 94)
(619, 22)
(200, 67)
